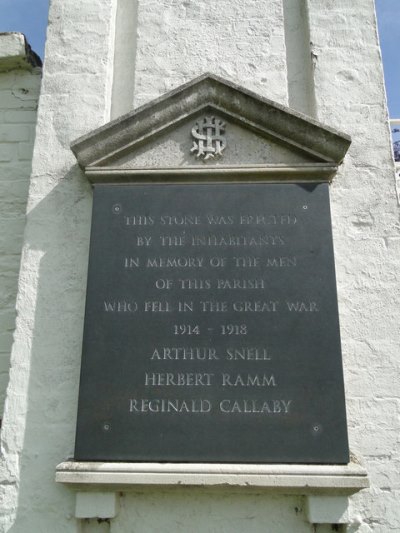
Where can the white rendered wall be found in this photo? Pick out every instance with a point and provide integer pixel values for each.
(19, 94)
(41, 402)
(299, 59)
(350, 95)
(242, 40)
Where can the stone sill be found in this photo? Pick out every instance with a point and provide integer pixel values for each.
(298, 479)
(309, 173)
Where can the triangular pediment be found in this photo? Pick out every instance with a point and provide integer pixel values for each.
(256, 132)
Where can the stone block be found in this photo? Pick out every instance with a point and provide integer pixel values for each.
(25, 151)
(321, 509)
(15, 53)
(14, 132)
(14, 190)
(4, 363)
(8, 151)
(16, 100)
(20, 116)
(15, 170)
(12, 51)
(5, 341)
(7, 319)
(96, 505)
(11, 237)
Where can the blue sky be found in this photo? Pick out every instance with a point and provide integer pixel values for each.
(30, 17)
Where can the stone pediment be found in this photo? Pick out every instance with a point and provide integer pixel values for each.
(257, 136)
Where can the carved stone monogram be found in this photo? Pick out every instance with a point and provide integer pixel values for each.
(210, 139)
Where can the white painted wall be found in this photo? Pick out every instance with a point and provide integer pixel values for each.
(19, 94)
(40, 407)
(242, 40)
(350, 95)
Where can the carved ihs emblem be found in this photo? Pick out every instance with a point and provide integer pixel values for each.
(210, 139)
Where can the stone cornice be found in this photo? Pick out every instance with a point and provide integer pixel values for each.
(211, 94)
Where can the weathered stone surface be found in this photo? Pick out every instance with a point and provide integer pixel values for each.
(212, 95)
(15, 53)
(172, 149)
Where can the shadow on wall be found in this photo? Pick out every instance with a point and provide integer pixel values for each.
(19, 93)
(58, 227)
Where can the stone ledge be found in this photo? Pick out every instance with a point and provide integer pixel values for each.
(317, 173)
(15, 53)
(298, 479)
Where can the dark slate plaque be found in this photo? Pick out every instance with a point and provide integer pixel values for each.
(211, 328)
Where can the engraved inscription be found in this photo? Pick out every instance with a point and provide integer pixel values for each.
(211, 332)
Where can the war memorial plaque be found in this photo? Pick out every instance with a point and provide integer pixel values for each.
(211, 328)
